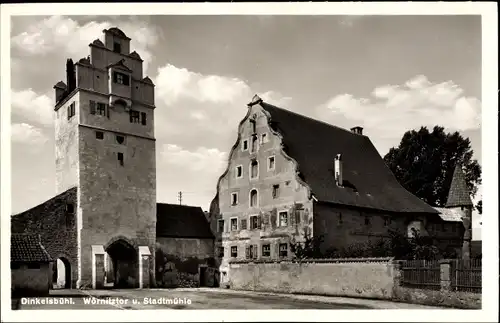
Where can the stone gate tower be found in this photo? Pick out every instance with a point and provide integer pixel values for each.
(105, 147)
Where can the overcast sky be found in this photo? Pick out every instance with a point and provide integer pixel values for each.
(387, 74)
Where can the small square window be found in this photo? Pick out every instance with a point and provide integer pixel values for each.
(239, 171)
(245, 145)
(101, 109)
(234, 251)
(234, 224)
(283, 247)
(99, 135)
(234, 199)
(271, 163)
(120, 158)
(220, 227)
(276, 191)
(220, 252)
(134, 116)
(266, 250)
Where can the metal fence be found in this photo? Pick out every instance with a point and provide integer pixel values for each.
(424, 274)
(466, 275)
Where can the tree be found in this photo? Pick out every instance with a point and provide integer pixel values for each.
(310, 248)
(424, 163)
(479, 206)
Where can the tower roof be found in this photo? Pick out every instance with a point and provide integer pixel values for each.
(98, 43)
(135, 55)
(459, 193)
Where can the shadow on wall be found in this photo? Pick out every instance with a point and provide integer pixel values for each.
(173, 271)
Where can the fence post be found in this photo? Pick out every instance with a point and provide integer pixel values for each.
(445, 268)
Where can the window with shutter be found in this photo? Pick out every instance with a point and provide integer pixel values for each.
(259, 222)
(243, 224)
(92, 107)
(255, 248)
(247, 252)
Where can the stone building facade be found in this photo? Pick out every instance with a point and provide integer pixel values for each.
(289, 175)
(105, 167)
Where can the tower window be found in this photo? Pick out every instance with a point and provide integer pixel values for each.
(245, 145)
(101, 109)
(120, 139)
(367, 220)
(71, 110)
(120, 158)
(99, 135)
(121, 78)
(143, 118)
(117, 47)
(340, 218)
(134, 116)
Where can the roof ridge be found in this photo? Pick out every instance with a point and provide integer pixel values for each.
(312, 119)
(182, 205)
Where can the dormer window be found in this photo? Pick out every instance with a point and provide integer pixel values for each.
(117, 47)
(121, 78)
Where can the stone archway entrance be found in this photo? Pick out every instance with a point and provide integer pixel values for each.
(61, 273)
(124, 264)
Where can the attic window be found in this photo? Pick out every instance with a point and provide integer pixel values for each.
(245, 145)
(254, 169)
(255, 143)
(117, 47)
(99, 135)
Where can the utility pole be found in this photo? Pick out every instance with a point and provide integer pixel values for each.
(180, 198)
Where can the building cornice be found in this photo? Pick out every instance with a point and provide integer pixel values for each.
(116, 131)
(67, 98)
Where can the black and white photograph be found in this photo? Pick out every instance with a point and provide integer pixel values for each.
(250, 157)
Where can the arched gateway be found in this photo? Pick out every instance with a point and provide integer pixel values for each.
(121, 264)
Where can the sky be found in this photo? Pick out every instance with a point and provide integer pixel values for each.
(388, 74)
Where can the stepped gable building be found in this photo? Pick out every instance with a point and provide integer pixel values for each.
(289, 175)
(102, 222)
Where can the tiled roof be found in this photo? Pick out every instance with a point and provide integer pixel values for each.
(27, 248)
(369, 183)
(181, 221)
(459, 194)
(452, 215)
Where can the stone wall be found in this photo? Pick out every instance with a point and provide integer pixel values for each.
(352, 278)
(33, 281)
(56, 227)
(378, 278)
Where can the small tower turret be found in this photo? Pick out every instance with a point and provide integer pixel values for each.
(459, 198)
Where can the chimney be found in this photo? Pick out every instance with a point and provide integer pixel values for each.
(338, 169)
(70, 75)
(357, 130)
